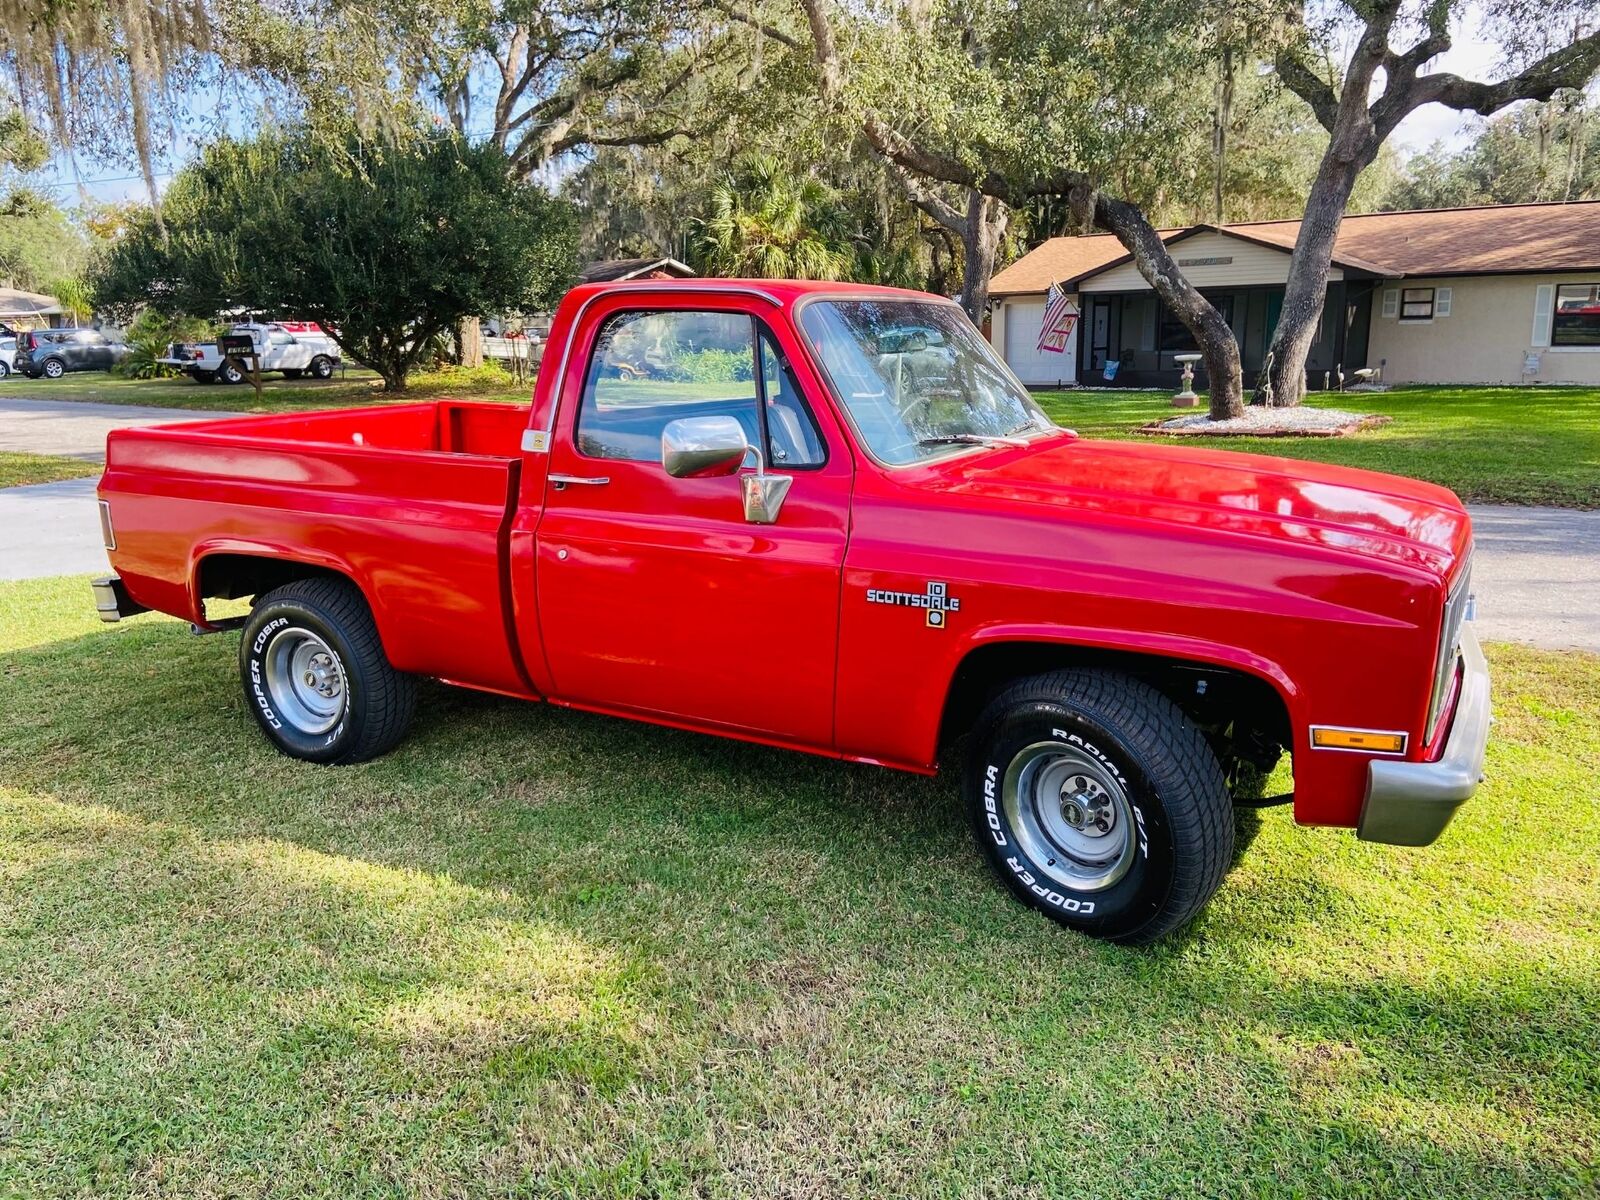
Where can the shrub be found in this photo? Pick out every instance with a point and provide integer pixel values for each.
(711, 366)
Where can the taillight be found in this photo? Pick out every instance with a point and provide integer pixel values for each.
(198, 355)
(29, 342)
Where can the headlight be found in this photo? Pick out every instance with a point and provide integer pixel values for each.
(1444, 665)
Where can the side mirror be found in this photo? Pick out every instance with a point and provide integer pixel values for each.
(702, 447)
(707, 447)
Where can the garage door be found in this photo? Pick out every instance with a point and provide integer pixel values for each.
(1032, 365)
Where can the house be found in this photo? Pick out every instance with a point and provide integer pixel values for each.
(616, 270)
(28, 310)
(1495, 294)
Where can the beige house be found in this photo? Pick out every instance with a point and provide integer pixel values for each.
(1498, 294)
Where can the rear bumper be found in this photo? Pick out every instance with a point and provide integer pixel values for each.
(1409, 804)
(111, 599)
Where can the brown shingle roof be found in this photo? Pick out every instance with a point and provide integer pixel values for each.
(1449, 241)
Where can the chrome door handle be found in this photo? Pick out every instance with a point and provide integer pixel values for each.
(561, 481)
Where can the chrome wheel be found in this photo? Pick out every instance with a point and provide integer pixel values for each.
(305, 680)
(1070, 814)
(53, 369)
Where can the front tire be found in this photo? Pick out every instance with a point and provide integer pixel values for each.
(1100, 804)
(316, 678)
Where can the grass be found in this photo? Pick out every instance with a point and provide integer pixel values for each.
(538, 953)
(18, 468)
(1522, 445)
(356, 386)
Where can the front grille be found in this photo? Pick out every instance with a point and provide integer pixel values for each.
(1444, 667)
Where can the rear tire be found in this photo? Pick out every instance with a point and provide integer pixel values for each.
(316, 678)
(5, 369)
(322, 367)
(231, 372)
(54, 368)
(1100, 804)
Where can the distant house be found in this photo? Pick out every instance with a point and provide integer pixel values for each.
(28, 310)
(616, 270)
(1498, 294)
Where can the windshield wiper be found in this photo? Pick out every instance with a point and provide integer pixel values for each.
(970, 439)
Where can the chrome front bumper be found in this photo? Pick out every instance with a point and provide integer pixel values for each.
(1410, 803)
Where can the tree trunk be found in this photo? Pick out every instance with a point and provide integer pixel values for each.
(1224, 376)
(469, 342)
(1307, 286)
(985, 225)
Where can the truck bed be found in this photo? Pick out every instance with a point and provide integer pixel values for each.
(412, 501)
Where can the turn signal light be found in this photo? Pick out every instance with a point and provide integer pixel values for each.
(1374, 741)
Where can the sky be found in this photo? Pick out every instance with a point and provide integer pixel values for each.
(1472, 56)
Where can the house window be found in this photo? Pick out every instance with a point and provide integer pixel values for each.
(1416, 304)
(1577, 315)
(1174, 334)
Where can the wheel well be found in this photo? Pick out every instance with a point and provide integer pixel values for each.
(1237, 711)
(231, 576)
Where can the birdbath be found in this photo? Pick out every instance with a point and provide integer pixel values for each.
(1187, 398)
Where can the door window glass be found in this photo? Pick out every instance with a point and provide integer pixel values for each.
(649, 368)
(792, 437)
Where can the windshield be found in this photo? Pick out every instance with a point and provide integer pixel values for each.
(916, 377)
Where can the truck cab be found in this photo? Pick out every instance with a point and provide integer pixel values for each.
(845, 485)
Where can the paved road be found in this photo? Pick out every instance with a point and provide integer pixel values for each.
(77, 430)
(1537, 574)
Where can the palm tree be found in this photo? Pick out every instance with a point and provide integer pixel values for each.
(75, 298)
(767, 223)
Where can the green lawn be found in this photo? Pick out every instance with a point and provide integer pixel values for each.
(18, 468)
(538, 953)
(357, 386)
(1523, 445)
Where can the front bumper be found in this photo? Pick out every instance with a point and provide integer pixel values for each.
(1410, 803)
(111, 599)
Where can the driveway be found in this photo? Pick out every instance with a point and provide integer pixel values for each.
(1537, 573)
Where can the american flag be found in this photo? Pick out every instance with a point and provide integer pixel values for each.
(1059, 315)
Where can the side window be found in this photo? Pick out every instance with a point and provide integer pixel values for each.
(792, 437)
(649, 368)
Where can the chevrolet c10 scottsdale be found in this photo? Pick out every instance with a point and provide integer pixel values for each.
(827, 518)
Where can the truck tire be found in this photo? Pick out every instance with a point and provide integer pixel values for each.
(1100, 804)
(322, 367)
(231, 372)
(316, 677)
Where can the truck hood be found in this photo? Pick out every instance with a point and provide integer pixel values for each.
(1362, 512)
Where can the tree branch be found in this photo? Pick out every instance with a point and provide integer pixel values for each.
(748, 18)
(1570, 67)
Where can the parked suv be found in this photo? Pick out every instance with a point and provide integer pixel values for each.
(53, 352)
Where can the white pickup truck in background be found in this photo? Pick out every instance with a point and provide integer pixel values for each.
(295, 348)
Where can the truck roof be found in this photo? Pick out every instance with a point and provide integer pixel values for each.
(783, 291)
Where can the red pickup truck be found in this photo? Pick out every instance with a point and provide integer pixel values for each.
(828, 518)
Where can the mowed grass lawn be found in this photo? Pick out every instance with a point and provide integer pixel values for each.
(547, 954)
(18, 468)
(1521, 445)
(356, 386)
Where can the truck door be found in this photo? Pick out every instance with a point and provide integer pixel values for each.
(655, 594)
